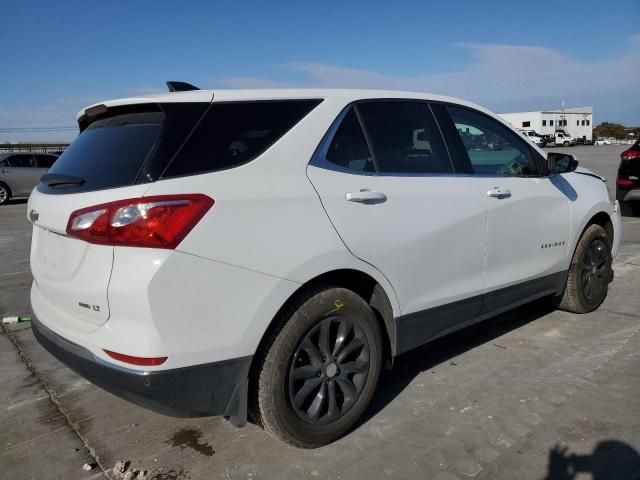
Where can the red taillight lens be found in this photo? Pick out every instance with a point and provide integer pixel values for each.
(154, 222)
(143, 361)
(629, 154)
(624, 183)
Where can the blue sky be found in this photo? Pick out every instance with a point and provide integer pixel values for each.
(506, 55)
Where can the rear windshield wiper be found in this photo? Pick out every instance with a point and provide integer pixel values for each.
(59, 179)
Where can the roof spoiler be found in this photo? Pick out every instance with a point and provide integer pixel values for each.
(180, 87)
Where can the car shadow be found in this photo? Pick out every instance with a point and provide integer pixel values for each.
(610, 460)
(408, 365)
(17, 201)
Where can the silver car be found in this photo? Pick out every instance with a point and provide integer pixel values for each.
(21, 171)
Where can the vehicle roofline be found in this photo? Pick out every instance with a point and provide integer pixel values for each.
(344, 96)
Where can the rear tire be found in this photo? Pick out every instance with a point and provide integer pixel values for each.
(589, 274)
(5, 193)
(318, 372)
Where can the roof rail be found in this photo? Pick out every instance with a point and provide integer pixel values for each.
(180, 87)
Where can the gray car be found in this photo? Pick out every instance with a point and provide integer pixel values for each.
(21, 171)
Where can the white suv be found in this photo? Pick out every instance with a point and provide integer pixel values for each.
(268, 251)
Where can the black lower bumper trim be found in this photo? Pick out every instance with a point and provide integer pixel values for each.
(218, 388)
(632, 194)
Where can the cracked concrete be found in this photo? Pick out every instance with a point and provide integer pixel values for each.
(532, 394)
(55, 404)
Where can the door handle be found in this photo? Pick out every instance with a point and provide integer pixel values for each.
(366, 196)
(499, 192)
(3, 171)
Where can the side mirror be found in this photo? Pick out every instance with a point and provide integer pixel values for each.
(561, 162)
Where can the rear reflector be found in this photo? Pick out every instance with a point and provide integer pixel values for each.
(624, 183)
(142, 361)
(155, 222)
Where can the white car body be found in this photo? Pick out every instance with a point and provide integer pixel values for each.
(531, 135)
(603, 141)
(279, 222)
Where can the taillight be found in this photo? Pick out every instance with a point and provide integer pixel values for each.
(155, 222)
(142, 361)
(629, 154)
(624, 183)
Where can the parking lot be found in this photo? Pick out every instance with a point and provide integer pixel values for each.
(532, 394)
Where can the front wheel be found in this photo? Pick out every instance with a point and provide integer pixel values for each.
(318, 374)
(5, 193)
(590, 272)
(565, 144)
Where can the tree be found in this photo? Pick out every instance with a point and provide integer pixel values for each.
(606, 129)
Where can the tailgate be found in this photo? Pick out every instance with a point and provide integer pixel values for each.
(71, 275)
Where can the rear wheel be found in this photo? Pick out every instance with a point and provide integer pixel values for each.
(5, 193)
(318, 374)
(589, 274)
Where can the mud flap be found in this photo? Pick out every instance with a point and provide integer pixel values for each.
(236, 412)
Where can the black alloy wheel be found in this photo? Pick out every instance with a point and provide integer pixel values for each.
(590, 272)
(594, 274)
(317, 372)
(329, 370)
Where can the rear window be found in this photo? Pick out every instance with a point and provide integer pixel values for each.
(232, 134)
(109, 153)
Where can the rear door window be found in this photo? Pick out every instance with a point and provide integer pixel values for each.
(234, 133)
(348, 148)
(404, 137)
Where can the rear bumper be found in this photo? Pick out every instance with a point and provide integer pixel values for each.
(218, 388)
(628, 195)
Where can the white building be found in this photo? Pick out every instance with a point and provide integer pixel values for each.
(577, 122)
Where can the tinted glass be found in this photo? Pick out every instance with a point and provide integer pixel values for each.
(4, 163)
(22, 161)
(492, 148)
(404, 137)
(349, 147)
(45, 161)
(109, 153)
(231, 134)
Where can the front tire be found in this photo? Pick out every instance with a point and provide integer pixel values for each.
(317, 375)
(589, 274)
(5, 193)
